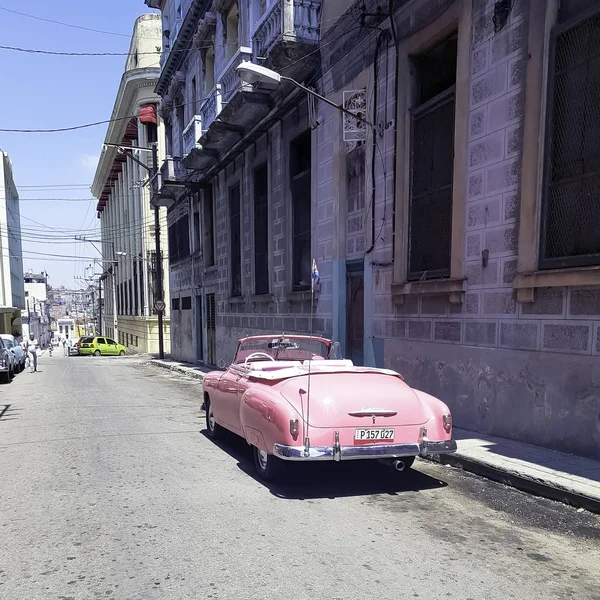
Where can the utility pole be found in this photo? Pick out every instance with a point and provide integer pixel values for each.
(159, 266)
(100, 307)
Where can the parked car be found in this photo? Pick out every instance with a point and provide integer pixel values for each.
(291, 399)
(17, 351)
(7, 363)
(74, 348)
(100, 346)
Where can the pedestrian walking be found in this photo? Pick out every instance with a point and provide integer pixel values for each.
(65, 347)
(69, 345)
(32, 348)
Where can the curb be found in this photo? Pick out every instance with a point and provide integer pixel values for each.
(521, 482)
(179, 369)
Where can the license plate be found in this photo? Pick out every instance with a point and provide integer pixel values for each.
(373, 434)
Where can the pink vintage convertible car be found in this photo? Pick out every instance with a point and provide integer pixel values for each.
(290, 399)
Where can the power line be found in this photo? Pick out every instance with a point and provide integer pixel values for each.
(37, 18)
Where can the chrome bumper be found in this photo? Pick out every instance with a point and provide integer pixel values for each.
(337, 453)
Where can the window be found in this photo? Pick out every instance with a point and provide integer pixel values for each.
(300, 175)
(180, 111)
(194, 97)
(101, 340)
(174, 303)
(186, 303)
(169, 138)
(235, 226)
(197, 231)
(570, 219)
(261, 230)
(179, 239)
(432, 163)
(208, 71)
(209, 238)
(230, 31)
(355, 179)
(109, 341)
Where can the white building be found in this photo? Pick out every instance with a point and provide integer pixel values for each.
(121, 186)
(12, 293)
(35, 317)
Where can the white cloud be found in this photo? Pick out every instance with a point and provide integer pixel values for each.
(89, 162)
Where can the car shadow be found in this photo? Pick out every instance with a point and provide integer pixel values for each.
(308, 481)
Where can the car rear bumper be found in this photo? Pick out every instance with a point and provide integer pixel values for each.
(424, 448)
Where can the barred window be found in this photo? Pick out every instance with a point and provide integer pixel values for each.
(235, 223)
(432, 163)
(570, 220)
(261, 230)
(300, 174)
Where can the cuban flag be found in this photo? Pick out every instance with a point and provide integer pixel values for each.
(315, 274)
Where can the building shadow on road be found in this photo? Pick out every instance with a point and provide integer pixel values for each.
(315, 480)
(7, 413)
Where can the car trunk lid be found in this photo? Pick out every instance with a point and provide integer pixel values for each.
(353, 399)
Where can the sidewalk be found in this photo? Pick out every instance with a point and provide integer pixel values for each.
(564, 477)
(189, 369)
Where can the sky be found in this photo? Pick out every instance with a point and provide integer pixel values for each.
(46, 92)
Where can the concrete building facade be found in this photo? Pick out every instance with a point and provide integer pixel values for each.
(36, 315)
(12, 292)
(456, 234)
(122, 187)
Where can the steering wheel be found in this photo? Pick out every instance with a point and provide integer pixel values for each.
(254, 354)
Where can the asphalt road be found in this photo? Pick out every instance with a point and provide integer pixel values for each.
(109, 489)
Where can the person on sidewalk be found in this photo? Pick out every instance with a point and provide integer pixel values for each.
(32, 348)
(64, 346)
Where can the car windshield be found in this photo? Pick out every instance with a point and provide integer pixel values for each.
(8, 343)
(282, 348)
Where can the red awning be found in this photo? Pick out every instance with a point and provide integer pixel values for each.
(148, 114)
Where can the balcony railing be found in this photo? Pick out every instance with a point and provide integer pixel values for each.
(230, 80)
(191, 134)
(211, 107)
(297, 20)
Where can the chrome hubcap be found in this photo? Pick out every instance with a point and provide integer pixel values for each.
(263, 459)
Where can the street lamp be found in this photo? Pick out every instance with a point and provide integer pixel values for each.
(252, 73)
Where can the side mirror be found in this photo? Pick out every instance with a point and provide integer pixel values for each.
(221, 363)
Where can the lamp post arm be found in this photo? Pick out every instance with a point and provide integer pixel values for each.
(327, 101)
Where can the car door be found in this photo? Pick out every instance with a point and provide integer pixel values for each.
(111, 347)
(101, 345)
(226, 408)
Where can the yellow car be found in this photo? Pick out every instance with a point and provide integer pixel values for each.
(100, 346)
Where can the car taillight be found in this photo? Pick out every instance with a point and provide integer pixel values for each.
(91, 345)
(447, 422)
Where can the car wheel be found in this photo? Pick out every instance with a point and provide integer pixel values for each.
(268, 466)
(214, 430)
(97, 353)
(122, 353)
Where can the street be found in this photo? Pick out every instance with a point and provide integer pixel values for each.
(109, 488)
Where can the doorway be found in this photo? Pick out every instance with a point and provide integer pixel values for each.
(355, 315)
(198, 318)
(211, 329)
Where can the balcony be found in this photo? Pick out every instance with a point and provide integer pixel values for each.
(211, 107)
(191, 134)
(195, 156)
(231, 107)
(169, 185)
(287, 32)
